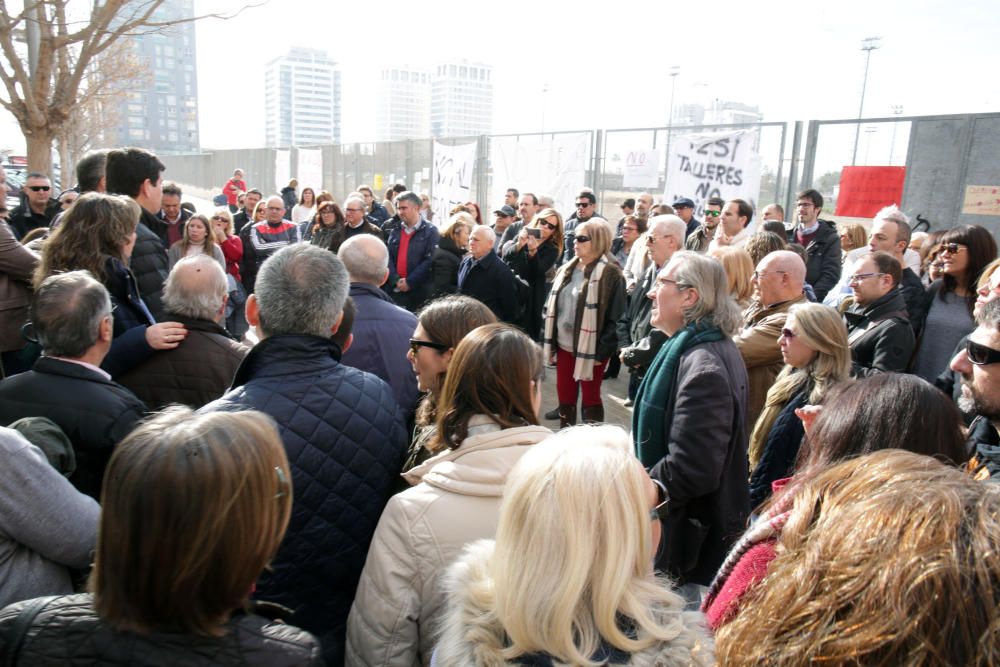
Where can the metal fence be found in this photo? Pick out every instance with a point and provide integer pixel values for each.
(943, 155)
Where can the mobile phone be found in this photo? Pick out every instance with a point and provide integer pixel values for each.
(533, 231)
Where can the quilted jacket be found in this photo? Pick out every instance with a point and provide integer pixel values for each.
(67, 631)
(345, 441)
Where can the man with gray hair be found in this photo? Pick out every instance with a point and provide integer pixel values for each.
(342, 430)
(71, 318)
(354, 218)
(201, 368)
(381, 328)
(484, 276)
(411, 254)
(778, 285)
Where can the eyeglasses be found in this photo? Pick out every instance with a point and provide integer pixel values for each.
(282, 483)
(355, 210)
(275, 208)
(626, 228)
(581, 238)
(659, 512)
(219, 218)
(415, 345)
(713, 214)
(788, 333)
(757, 275)
(550, 225)
(952, 248)
(981, 355)
(667, 281)
(582, 204)
(651, 238)
(39, 188)
(858, 277)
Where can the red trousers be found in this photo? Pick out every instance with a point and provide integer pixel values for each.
(567, 388)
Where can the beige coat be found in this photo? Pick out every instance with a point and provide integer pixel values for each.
(758, 345)
(422, 530)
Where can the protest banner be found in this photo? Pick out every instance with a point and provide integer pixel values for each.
(719, 164)
(554, 165)
(642, 169)
(864, 191)
(451, 182)
(310, 173)
(282, 168)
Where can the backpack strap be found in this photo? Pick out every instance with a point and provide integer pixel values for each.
(18, 630)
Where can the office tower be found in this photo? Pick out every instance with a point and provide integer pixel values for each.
(302, 99)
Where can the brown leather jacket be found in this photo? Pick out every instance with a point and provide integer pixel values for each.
(17, 264)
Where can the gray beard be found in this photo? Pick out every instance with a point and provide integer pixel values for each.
(966, 404)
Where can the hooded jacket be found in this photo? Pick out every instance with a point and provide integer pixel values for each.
(458, 647)
(456, 500)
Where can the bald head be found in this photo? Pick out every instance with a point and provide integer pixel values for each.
(780, 276)
(196, 288)
(481, 241)
(275, 210)
(366, 259)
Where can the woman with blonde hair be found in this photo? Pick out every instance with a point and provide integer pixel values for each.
(531, 258)
(487, 419)
(198, 239)
(582, 311)
(852, 237)
(886, 559)
(816, 354)
(739, 272)
(452, 246)
(569, 579)
(193, 508)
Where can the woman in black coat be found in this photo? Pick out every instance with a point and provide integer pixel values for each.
(532, 257)
(452, 246)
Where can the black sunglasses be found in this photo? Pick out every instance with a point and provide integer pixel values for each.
(952, 248)
(582, 204)
(580, 238)
(548, 224)
(415, 345)
(981, 355)
(39, 188)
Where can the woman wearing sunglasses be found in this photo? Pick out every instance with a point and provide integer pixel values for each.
(816, 353)
(487, 419)
(532, 257)
(964, 252)
(193, 509)
(587, 298)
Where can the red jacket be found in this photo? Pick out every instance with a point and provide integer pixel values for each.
(232, 188)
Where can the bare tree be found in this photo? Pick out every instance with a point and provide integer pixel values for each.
(42, 87)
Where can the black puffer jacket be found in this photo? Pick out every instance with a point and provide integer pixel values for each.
(149, 264)
(447, 257)
(67, 631)
(344, 436)
(824, 265)
(94, 413)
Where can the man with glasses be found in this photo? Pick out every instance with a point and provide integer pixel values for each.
(821, 241)
(702, 237)
(979, 366)
(37, 207)
(878, 327)
(684, 208)
(505, 216)
(586, 208)
(171, 215)
(778, 285)
(354, 218)
(267, 238)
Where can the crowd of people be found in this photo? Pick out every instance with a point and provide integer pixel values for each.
(299, 430)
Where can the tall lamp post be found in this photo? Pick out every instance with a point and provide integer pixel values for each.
(868, 44)
(897, 110)
(674, 71)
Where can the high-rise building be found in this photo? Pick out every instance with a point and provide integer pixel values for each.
(302, 102)
(404, 102)
(164, 116)
(461, 99)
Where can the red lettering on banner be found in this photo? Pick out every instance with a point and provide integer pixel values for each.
(864, 191)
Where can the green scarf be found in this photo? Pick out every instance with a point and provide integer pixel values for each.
(657, 391)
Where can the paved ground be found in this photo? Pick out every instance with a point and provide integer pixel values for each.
(614, 392)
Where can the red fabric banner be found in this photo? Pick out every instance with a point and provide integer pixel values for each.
(864, 191)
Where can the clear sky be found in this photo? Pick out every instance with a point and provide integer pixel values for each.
(606, 65)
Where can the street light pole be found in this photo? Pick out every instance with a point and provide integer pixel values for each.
(897, 110)
(868, 44)
(674, 71)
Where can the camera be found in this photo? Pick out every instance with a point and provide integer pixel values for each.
(533, 231)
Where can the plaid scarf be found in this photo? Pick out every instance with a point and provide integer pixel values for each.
(585, 353)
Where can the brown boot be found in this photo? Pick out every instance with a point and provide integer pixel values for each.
(593, 414)
(567, 415)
